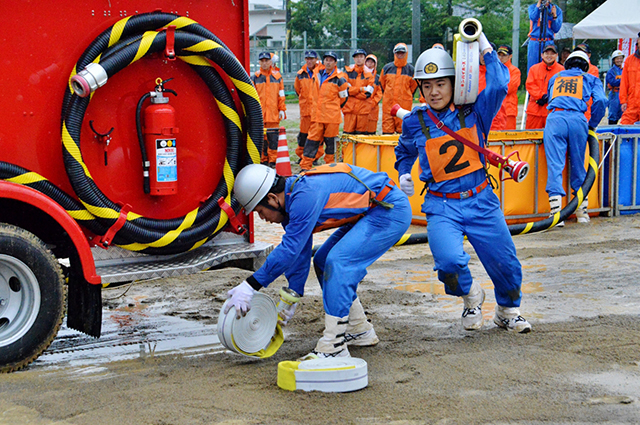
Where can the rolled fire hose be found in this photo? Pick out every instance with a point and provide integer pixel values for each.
(257, 334)
(466, 55)
(117, 47)
(334, 375)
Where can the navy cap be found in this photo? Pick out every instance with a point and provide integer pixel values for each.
(359, 52)
(584, 47)
(550, 46)
(331, 55)
(505, 48)
(264, 55)
(311, 54)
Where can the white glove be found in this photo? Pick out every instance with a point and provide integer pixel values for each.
(286, 314)
(240, 298)
(368, 89)
(281, 115)
(406, 184)
(484, 43)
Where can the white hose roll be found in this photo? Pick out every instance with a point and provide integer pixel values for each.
(467, 73)
(257, 334)
(331, 375)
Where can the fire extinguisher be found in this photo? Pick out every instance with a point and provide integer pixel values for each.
(158, 139)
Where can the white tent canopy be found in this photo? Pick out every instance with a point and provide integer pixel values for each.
(613, 19)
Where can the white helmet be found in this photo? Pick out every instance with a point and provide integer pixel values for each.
(434, 63)
(616, 54)
(577, 59)
(252, 184)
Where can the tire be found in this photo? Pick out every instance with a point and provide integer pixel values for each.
(32, 297)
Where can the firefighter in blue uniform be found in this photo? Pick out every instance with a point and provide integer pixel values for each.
(613, 84)
(370, 213)
(567, 127)
(458, 201)
(545, 20)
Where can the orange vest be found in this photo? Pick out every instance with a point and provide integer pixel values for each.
(270, 88)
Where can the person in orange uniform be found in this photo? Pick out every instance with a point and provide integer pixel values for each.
(270, 88)
(537, 84)
(303, 85)
(398, 87)
(330, 92)
(370, 65)
(630, 88)
(356, 110)
(500, 120)
(510, 103)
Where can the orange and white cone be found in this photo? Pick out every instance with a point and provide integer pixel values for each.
(283, 163)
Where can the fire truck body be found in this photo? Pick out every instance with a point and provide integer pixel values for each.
(50, 248)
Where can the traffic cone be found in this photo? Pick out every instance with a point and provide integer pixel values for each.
(283, 163)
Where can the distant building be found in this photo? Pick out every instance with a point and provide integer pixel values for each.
(267, 27)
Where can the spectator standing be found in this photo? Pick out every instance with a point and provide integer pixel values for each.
(567, 127)
(270, 88)
(371, 64)
(545, 20)
(330, 92)
(564, 54)
(303, 86)
(361, 87)
(630, 88)
(398, 87)
(537, 84)
(510, 104)
(614, 76)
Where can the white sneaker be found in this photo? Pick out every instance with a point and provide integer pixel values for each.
(516, 324)
(581, 213)
(472, 315)
(362, 339)
(585, 220)
(320, 355)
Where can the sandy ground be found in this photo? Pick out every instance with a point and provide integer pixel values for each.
(580, 365)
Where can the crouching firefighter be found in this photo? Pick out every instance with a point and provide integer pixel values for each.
(370, 213)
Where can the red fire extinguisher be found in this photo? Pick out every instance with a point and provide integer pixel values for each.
(158, 142)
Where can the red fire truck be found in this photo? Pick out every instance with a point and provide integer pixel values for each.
(124, 124)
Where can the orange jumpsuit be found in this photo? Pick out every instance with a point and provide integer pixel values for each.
(356, 110)
(270, 88)
(398, 86)
(537, 86)
(510, 103)
(329, 93)
(500, 120)
(303, 85)
(374, 100)
(630, 89)
(593, 70)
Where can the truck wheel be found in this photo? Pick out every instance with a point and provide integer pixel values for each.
(32, 297)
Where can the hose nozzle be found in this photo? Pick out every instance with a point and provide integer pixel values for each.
(89, 80)
(398, 112)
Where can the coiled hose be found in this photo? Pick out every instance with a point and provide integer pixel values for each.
(117, 47)
(538, 226)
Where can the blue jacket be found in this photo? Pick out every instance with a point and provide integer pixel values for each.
(591, 87)
(412, 142)
(314, 200)
(549, 29)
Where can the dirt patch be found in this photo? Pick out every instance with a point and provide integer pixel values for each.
(581, 363)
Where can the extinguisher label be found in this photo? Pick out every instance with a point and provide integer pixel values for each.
(166, 160)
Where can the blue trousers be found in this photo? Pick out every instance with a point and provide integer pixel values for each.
(614, 106)
(480, 219)
(565, 130)
(341, 262)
